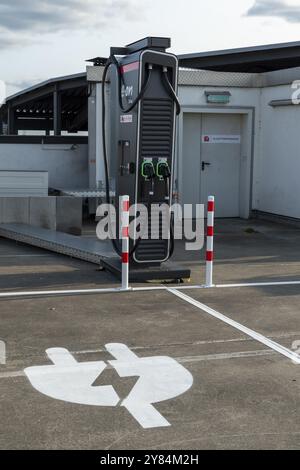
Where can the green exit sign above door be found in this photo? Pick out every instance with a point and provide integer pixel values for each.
(218, 97)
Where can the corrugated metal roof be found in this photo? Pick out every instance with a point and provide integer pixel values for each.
(33, 107)
(256, 59)
(46, 83)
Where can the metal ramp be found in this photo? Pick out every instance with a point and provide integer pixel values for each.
(91, 250)
(86, 249)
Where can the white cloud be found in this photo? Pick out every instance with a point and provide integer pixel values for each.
(276, 8)
(28, 19)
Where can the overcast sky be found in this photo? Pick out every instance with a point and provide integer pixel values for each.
(40, 39)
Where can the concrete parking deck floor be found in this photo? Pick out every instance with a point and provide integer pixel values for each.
(244, 394)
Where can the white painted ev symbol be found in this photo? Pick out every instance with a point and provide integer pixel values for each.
(160, 379)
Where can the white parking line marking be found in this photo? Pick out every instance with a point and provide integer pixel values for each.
(181, 360)
(222, 356)
(219, 286)
(253, 334)
(11, 375)
(261, 284)
(241, 339)
(249, 284)
(12, 295)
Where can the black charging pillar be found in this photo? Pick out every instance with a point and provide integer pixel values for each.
(143, 112)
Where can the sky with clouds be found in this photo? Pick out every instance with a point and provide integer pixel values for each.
(40, 39)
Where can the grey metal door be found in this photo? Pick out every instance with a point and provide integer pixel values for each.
(211, 161)
(220, 162)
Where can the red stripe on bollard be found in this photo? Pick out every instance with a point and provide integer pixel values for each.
(210, 241)
(125, 241)
(211, 206)
(210, 231)
(125, 258)
(125, 232)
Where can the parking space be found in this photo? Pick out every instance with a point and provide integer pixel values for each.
(235, 392)
(267, 309)
(243, 394)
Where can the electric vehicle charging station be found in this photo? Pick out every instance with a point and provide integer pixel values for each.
(144, 107)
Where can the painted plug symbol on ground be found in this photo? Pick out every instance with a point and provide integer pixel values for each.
(160, 379)
(71, 381)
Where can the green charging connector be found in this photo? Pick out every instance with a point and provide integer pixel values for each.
(148, 170)
(163, 170)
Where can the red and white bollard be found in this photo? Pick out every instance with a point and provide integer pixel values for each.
(125, 241)
(210, 241)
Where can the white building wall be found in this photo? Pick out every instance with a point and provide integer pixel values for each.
(279, 188)
(67, 165)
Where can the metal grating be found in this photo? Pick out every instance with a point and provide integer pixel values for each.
(157, 128)
(82, 248)
(155, 248)
(191, 77)
(152, 250)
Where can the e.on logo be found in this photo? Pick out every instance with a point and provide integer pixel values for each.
(2, 92)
